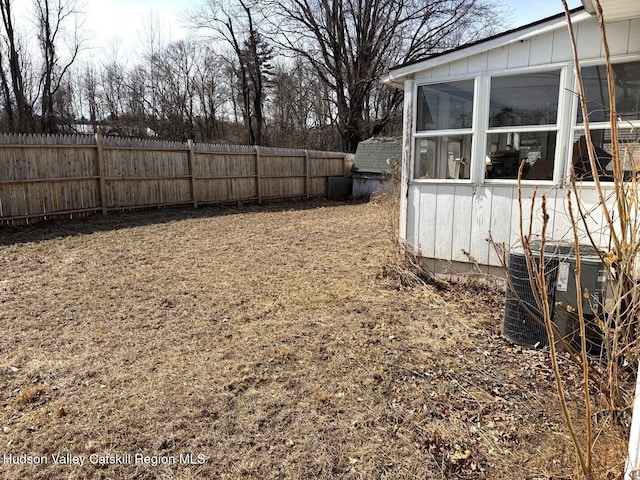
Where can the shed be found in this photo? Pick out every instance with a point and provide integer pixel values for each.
(371, 167)
(472, 114)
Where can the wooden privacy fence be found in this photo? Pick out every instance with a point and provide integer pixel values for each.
(46, 176)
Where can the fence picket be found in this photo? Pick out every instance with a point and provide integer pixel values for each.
(47, 176)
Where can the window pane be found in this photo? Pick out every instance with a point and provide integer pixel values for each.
(629, 145)
(627, 81)
(443, 157)
(505, 152)
(530, 99)
(445, 106)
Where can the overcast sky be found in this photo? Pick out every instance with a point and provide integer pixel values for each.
(112, 25)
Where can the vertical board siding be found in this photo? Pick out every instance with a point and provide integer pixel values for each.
(595, 217)
(412, 227)
(441, 71)
(559, 227)
(618, 35)
(518, 55)
(444, 221)
(588, 40)
(500, 226)
(481, 223)
(443, 234)
(462, 223)
(478, 63)
(634, 36)
(426, 234)
(44, 176)
(561, 50)
(539, 52)
(459, 67)
(543, 49)
(497, 59)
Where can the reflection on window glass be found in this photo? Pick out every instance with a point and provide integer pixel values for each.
(530, 99)
(443, 157)
(627, 81)
(445, 106)
(628, 139)
(506, 151)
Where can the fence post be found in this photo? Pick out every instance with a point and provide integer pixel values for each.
(306, 172)
(192, 172)
(346, 172)
(258, 175)
(102, 173)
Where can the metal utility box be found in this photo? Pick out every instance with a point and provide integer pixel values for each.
(594, 276)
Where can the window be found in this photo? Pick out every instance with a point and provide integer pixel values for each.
(628, 139)
(443, 132)
(523, 125)
(627, 84)
(626, 78)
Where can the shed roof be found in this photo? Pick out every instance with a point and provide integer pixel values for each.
(372, 154)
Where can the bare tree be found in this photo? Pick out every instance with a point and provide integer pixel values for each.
(176, 84)
(90, 89)
(351, 43)
(14, 88)
(52, 17)
(153, 44)
(113, 81)
(211, 94)
(234, 22)
(300, 109)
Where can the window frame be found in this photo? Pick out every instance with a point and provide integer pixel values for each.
(558, 128)
(565, 124)
(435, 134)
(577, 128)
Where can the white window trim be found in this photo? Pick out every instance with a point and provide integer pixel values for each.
(565, 127)
(573, 112)
(559, 127)
(415, 135)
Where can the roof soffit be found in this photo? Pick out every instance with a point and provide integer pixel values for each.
(614, 10)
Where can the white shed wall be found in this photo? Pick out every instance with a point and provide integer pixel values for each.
(449, 222)
(453, 223)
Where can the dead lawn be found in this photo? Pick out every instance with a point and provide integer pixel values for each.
(267, 341)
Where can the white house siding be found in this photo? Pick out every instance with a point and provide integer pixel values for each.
(544, 49)
(453, 223)
(448, 222)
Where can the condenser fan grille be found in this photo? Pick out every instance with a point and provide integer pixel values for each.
(522, 319)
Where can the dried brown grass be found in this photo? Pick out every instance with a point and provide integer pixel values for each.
(268, 341)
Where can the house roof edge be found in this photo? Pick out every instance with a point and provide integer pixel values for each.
(399, 73)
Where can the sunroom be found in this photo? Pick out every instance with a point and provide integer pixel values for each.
(473, 114)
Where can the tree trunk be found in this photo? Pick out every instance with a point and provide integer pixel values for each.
(24, 121)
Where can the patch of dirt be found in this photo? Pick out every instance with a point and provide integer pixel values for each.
(261, 343)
